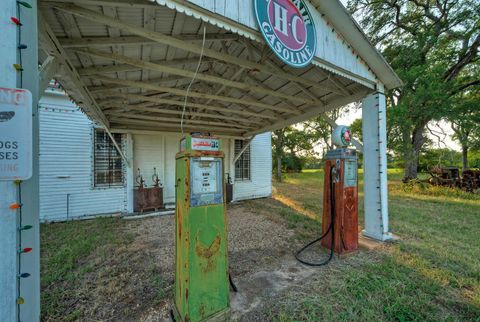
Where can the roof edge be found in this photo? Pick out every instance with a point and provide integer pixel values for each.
(354, 35)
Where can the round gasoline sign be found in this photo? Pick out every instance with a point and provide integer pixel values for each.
(288, 28)
(341, 136)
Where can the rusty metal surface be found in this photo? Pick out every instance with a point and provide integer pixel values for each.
(201, 269)
(346, 214)
(148, 199)
(468, 181)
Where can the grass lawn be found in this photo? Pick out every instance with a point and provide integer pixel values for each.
(97, 270)
(432, 273)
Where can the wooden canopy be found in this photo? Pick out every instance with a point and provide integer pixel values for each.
(128, 64)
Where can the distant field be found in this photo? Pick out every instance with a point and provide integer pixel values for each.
(432, 273)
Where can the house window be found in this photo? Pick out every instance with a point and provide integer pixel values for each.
(107, 161)
(242, 165)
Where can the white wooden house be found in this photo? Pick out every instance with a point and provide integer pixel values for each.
(77, 177)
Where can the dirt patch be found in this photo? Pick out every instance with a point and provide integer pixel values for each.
(255, 242)
(133, 279)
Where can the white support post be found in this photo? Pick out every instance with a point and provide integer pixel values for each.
(30, 287)
(8, 220)
(375, 166)
(130, 174)
(30, 262)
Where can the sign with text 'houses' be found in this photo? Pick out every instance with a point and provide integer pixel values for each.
(15, 134)
(288, 28)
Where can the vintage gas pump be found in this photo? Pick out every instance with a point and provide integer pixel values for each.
(340, 199)
(201, 272)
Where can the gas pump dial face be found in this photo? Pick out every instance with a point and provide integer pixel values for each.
(206, 181)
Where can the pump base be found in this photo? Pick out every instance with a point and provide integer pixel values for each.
(220, 316)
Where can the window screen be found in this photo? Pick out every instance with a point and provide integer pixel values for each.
(107, 161)
(242, 166)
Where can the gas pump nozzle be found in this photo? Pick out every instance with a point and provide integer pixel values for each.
(336, 171)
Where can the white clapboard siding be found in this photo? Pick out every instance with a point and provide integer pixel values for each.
(66, 152)
(260, 183)
(331, 49)
(66, 165)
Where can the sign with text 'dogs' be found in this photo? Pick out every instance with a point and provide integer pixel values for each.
(15, 134)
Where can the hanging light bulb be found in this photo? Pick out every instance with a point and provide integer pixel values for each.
(23, 275)
(16, 21)
(25, 250)
(15, 206)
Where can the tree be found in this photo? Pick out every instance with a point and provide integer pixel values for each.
(278, 139)
(320, 128)
(288, 143)
(433, 46)
(465, 123)
(356, 128)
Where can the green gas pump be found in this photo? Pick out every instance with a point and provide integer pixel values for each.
(201, 271)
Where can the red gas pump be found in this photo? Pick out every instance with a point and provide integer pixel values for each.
(340, 200)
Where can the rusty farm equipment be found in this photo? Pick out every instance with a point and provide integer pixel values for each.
(468, 181)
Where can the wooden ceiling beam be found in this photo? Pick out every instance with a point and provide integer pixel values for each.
(181, 92)
(50, 44)
(175, 126)
(137, 40)
(187, 73)
(158, 100)
(164, 110)
(129, 68)
(113, 88)
(312, 112)
(187, 46)
(172, 119)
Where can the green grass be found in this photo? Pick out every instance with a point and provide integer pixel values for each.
(431, 274)
(91, 270)
(86, 269)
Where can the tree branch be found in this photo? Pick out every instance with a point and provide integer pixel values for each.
(463, 61)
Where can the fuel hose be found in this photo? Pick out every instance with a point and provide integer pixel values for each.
(331, 228)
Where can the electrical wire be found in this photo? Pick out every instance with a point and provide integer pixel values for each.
(20, 223)
(193, 79)
(19, 16)
(331, 228)
(232, 283)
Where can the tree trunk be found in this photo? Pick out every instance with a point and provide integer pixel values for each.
(279, 167)
(464, 157)
(279, 152)
(413, 152)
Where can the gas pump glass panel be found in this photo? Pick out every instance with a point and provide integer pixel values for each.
(206, 183)
(350, 175)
